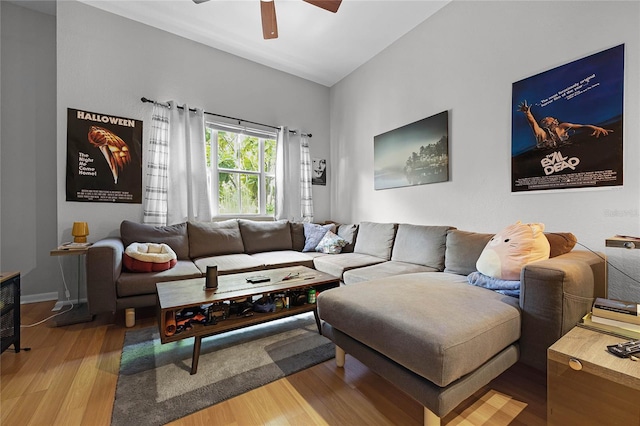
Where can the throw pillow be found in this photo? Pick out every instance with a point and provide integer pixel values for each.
(560, 242)
(331, 243)
(149, 257)
(510, 249)
(313, 233)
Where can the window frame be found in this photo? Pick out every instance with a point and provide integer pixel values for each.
(213, 170)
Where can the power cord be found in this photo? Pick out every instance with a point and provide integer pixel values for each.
(67, 295)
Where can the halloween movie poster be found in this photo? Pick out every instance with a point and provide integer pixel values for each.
(567, 125)
(104, 158)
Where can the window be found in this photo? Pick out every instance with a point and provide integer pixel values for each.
(241, 168)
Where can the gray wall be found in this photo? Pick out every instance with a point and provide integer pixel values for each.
(106, 63)
(28, 213)
(464, 59)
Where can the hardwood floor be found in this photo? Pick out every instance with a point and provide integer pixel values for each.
(69, 378)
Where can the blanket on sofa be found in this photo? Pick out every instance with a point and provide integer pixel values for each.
(506, 287)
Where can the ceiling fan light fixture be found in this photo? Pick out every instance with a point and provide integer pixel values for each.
(269, 23)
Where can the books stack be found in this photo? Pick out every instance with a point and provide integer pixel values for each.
(614, 317)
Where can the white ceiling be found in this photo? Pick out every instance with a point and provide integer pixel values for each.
(313, 44)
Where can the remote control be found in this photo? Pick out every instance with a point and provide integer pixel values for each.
(626, 349)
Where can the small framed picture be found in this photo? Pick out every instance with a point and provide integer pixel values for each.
(319, 172)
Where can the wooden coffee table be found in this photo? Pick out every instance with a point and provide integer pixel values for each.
(174, 296)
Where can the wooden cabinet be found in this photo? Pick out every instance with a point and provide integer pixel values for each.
(586, 385)
(10, 310)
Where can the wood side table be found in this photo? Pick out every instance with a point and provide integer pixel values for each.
(586, 385)
(80, 312)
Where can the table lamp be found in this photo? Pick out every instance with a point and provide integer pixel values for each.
(80, 231)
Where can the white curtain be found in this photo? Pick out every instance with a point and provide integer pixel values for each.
(281, 179)
(306, 193)
(177, 187)
(155, 195)
(188, 195)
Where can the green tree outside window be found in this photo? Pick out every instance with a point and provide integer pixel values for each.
(246, 170)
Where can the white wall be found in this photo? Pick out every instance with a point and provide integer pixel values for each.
(464, 59)
(106, 63)
(28, 151)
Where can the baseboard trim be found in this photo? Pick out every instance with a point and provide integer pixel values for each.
(35, 298)
(46, 297)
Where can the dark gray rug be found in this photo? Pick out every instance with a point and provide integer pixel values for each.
(155, 387)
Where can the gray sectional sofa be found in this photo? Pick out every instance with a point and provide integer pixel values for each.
(405, 308)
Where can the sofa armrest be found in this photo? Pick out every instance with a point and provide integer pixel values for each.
(104, 265)
(554, 295)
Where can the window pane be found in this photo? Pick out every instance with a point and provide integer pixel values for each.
(250, 194)
(227, 151)
(249, 153)
(228, 195)
(270, 184)
(269, 156)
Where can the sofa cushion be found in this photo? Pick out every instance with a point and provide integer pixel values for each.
(375, 239)
(338, 263)
(230, 263)
(513, 247)
(283, 259)
(214, 238)
(265, 236)
(560, 242)
(381, 270)
(422, 245)
(349, 232)
(434, 324)
(313, 234)
(175, 236)
(297, 235)
(463, 250)
(136, 284)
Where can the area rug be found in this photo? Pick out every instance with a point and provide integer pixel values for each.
(155, 386)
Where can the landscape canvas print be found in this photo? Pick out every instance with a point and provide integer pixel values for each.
(415, 154)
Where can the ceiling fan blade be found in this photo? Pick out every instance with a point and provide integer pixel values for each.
(331, 6)
(269, 23)
(199, 1)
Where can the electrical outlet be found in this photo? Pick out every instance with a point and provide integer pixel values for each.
(66, 293)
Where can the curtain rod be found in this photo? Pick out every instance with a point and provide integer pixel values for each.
(240, 120)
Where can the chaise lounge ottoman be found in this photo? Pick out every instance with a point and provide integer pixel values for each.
(442, 338)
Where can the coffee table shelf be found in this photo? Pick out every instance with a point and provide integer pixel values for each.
(233, 323)
(174, 296)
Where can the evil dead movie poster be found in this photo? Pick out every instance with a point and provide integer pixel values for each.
(104, 158)
(567, 125)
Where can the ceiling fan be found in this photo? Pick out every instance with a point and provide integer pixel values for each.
(268, 13)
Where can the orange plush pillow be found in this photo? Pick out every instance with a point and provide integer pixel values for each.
(510, 249)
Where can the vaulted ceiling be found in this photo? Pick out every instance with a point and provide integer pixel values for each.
(313, 43)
